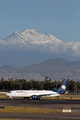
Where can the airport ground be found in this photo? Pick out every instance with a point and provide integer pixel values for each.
(65, 101)
(21, 116)
(42, 104)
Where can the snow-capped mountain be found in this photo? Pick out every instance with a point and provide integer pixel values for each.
(30, 47)
(30, 36)
(33, 40)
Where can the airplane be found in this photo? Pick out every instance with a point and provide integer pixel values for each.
(39, 94)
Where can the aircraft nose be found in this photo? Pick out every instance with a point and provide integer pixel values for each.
(7, 94)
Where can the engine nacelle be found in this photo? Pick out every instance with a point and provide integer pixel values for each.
(35, 97)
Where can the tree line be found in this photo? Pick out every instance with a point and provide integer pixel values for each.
(47, 84)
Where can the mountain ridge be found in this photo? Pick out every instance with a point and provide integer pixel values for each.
(58, 69)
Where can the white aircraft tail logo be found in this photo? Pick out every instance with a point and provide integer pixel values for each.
(63, 87)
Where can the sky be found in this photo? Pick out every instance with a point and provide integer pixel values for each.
(58, 17)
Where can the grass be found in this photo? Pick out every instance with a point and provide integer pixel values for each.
(31, 110)
(2, 95)
(74, 97)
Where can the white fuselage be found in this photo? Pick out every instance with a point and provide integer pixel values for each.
(29, 93)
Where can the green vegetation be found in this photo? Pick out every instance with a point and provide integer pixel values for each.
(47, 84)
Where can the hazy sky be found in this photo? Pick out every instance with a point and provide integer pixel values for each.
(58, 17)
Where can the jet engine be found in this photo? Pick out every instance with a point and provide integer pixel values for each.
(35, 97)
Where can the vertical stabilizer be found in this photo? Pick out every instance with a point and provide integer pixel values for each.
(62, 89)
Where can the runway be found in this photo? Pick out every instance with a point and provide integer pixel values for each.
(45, 103)
(24, 116)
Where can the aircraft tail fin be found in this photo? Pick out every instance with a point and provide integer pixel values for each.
(62, 89)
